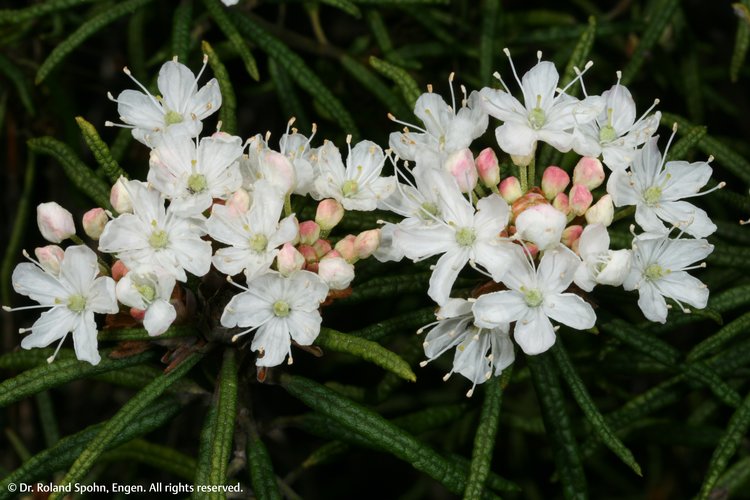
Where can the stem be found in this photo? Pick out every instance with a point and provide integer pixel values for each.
(523, 175)
(288, 205)
(532, 170)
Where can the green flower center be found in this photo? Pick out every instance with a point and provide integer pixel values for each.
(158, 239)
(197, 183)
(77, 303)
(466, 236)
(147, 292)
(537, 118)
(172, 117)
(281, 308)
(428, 209)
(350, 188)
(652, 195)
(607, 133)
(655, 272)
(533, 298)
(259, 242)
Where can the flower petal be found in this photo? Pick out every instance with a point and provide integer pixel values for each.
(570, 309)
(159, 316)
(534, 334)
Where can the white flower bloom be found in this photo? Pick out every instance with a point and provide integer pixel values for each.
(55, 223)
(153, 236)
(149, 290)
(278, 308)
(656, 191)
(659, 270)
(336, 272)
(73, 296)
(534, 297)
(180, 107)
(191, 175)
(457, 231)
(541, 225)
(261, 162)
(544, 116)
(600, 264)
(615, 134)
(253, 236)
(358, 186)
(480, 352)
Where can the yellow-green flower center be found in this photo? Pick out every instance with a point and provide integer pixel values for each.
(533, 298)
(655, 272)
(350, 188)
(259, 242)
(158, 239)
(466, 236)
(537, 117)
(147, 292)
(652, 195)
(77, 303)
(172, 117)
(281, 308)
(607, 133)
(197, 183)
(427, 209)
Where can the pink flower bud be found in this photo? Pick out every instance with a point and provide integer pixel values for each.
(530, 199)
(50, 257)
(280, 171)
(570, 235)
(541, 225)
(238, 203)
(366, 243)
(461, 166)
(289, 259)
(137, 314)
(510, 189)
(562, 203)
(336, 272)
(554, 181)
(94, 221)
(345, 247)
(589, 172)
(580, 199)
(309, 232)
(601, 212)
(55, 223)
(321, 248)
(329, 213)
(308, 253)
(488, 167)
(120, 198)
(119, 269)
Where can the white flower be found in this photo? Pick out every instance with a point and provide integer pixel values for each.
(541, 225)
(73, 296)
(254, 236)
(278, 308)
(336, 272)
(261, 162)
(149, 290)
(180, 107)
(480, 352)
(659, 270)
(600, 264)
(656, 191)
(534, 297)
(55, 223)
(458, 232)
(358, 186)
(191, 175)
(544, 116)
(157, 237)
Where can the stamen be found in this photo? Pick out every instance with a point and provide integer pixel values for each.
(512, 67)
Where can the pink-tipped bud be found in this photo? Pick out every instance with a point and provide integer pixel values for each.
(601, 212)
(522, 160)
(308, 253)
(554, 181)
(589, 172)
(526, 201)
(335, 271)
(280, 171)
(510, 189)
(562, 203)
(329, 213)
(570, 235)
(238, 203)
(488, 167)
(530, 249)
(289, 259)
(55, 223)
(120, 198)
(119, 269)
(580, 199)
(461, 166)
(321, 248)
(541, 225)
(309, 232)
(345, 247)
(50, 257)
(137, 314)
(366, 243)
(94, 221)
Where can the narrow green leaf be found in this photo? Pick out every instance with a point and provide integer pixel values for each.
(17, 444)
(181, 24)
(136, 52)
(404, 323)
(286, 94)
(19, 81)
(691, 81)
(365, 349)
(344, 5)
(115, 426)
(261, 469)
(660, 18)
(484, 440)
(490, 15)
(83, 32)
(82, 176)
(716, 341)
(736, 478)
(298, 70)
(60, 372)
(587, 405)
(400, 77)
(580, 56)
(120, 144)
(18, 16)
(741, 40)
(558, 426)
(688, 141)
(220, 14)
(46, 411)
(228, 110)
(100, 150)
(372, 83)
(159, 457)
(730, 256)
(735, 433)
(387, 286)
(173, 332)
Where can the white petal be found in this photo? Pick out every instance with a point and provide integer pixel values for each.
(51, 325)
(159, 316)
(79, 268)
(516, 139)
(304, 327)
(246, 309)
(570, 309)
(540, 82)
(273, 339)
(557, 268)
(446, 270)
(684, 288)
(534, 334)
(176, 84)
(101, 296)
(84, 339)
(498, 308)
(28, 279)
(138, 109)
(420, 241)
(502, 105)
(652, 304)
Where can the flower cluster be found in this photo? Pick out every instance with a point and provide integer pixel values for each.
(218, 205)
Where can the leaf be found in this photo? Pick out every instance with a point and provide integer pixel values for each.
(60, 372)
(220, 14)
(402, 2)
(287, 96)
(484, 440)
(87, 29)
(365, 349)
(82, 176)
(730, 256)
(741, 40)
(173, 332)
(580, 56)
(372, 83)
(18, 16)
(228, 110)
(261, 469)
(735, 478)
(735, 433)
(716, 341)
(181, 24)
(400, 77)
(691, 81)
(588, 406)
(344, 5)
(162, 458)
(558, 426)
(387, 286)
(406, 323)
(46, 411)
(115, 426)
(100, 150)
(688, 141)
(19, 81)
(490, 14)
(661, 15)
